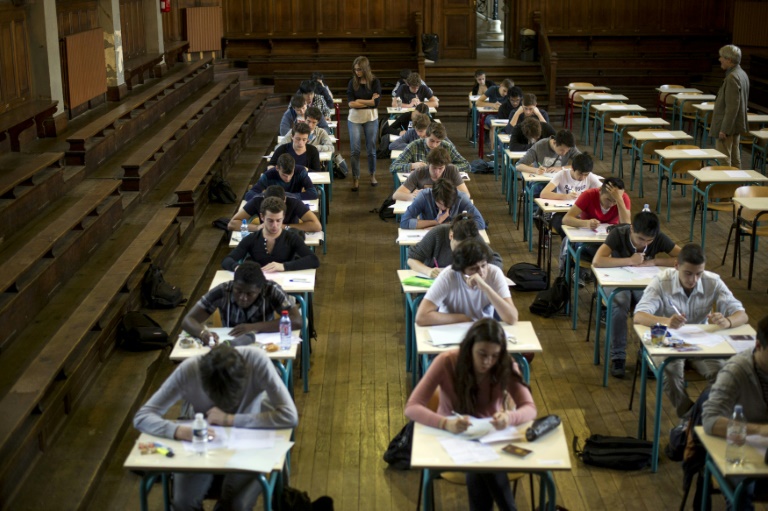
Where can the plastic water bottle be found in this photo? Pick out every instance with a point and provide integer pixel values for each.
(285, 332)
(646, 209)
(200, 434)
(244, 229)
(736, 437)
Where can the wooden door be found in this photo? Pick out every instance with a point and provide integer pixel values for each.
(455, 22)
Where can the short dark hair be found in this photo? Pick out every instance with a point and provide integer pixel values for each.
(421, 122)
(272, 205)
(250, 273)
(438, 130)
(275, 191)
(314, 113)
(762, 332)
(583, 163)
(286, 164)
(422, 108)
(464, 227)
(613, 181)
(302, 128)
(444, 191)
(317, 75)
(413, 80)
(529, 99)
(531, 128)
(692, 253)
(647, 224)
(479, 72)
(565, 137)
(404, 73)
(470, 252)
(515, 92)
(439, 156)
(223, 375)
(307, 86)
(507, 84)
(297, 101)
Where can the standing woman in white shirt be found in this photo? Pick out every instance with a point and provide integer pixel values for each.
(363, 93)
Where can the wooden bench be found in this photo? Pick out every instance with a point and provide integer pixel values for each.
(20, 175)
(14, 122)
(174, 51)
(101, 138)
(192, 192)
(136, 67)
(31, 270)
(49, 387)
(146, 165)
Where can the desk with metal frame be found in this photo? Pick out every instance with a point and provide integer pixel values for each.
(410, 237)
(639, 139)
(484, 112)
(621, 125)
(600, 112)
(581, 237)
(587, 103)
(679, 105)
(569, 106)
(509, 179)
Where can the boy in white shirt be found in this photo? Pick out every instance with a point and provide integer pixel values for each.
(569, 183)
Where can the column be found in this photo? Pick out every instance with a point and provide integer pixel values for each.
(109, 19)
(153, 30)
(45, 59)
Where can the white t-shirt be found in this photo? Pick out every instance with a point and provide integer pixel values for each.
(564, 183)
(452, 295)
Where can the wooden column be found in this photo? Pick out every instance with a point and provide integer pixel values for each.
(153, 32)
(45, 60)
(109, 19)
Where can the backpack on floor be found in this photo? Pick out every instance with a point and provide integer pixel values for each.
(385, 211)
(615, 452)
(221, 191)
(157, 293)
(481, 167)
(398, 454)
(139, 332)
(527, 277)
(551, 301)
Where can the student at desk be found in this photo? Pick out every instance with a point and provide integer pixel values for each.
(528, 109)
(632, 245)
(414, 92)
(296, 109)
(297, 214)
(549, 155)
(686, 295)
(320, 140)
(437, 205)
(405, 119)
(417, 132)
(275, 248)
(434, 253)
(569, 183)
(312, 100)
(302, 152)
(414, 156)
(472, 289)
(477, 380)
(287, 175)
(481, 83)
(236, 387)
(438, 167)
(523, 136)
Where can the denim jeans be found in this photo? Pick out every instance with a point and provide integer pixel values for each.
(356, 131)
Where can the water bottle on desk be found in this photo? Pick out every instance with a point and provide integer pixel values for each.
(736, 437)
(200, 434)
(646, 209)
(285, 332)
(399, 103)
(244, 230)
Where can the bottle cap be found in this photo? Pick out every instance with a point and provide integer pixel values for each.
(738, 409)
(198, 416)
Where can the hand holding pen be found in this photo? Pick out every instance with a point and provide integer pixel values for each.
(678, 319)
(435, 270)
(718, 319)
(500, 419)
(457, 423)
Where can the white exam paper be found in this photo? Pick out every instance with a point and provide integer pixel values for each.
(736, 173)
(466, 451)
(695, 152)
(692, 334)
(443, 335)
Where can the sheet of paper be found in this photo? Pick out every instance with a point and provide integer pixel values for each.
(736, 173)
(695, 152)
(314, 236)
(759, 442)
(645, 271)
(261, 460)
(740, 346)
(243, 438)
(643, 120)
(466, 451)
(274, 338)
(663, 134)
(412, 235)
(478, 428)
(614, 274)
(509, 434)
(692, 334)
(442, 335)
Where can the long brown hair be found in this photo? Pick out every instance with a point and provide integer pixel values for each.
(362, 63)
(464, 378)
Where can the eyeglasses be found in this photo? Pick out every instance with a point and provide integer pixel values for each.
(358, 69)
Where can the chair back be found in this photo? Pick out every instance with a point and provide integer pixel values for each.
(608, 126)
(665, 93)
(688, 109)
(576, 96)
(722, 193)
(683, 166)
(649, 155)
(743, 192)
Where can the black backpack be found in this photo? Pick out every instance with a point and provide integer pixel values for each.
(293, 499)
(221, 191)
(157, 293)
(138, 332)
(616, 452)
(527, 277)
(398, 454)
(551, 301)
(385, 211)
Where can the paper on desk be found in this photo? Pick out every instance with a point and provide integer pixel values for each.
(585, 232)
(412, 235)
(478, 428)
(243, 438)
(508, 434)
(219, 440)
(663, 134)
(736, 173)
(645, 271)
(643, 120)
(319, 235)
(262, 460)
(444, 335)
(615, 274)
(692, 334)
(466, 451)
(273, 338)
(740, 346)
(695, 152)
(759, 442)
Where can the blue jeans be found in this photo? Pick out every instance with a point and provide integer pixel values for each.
(356, 131)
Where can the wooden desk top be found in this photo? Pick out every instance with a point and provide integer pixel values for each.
(180, 353)
(530, 177)
(324, 155)
(602, 107)
(753, 203)
(474, 97)
(584, 235)
(320, 178)
(757, 117)
(754, 464)
(395, 154)
(603, 97)
(499, 123)
(487, 109)
(521, 339)
(659, 135)
(689, 154)
(762, 134)
(550, 452)
(299, 281)
(409, 237)
(311, 239)
(553, 205)
(693, 97)
(639, 121)
(682, 90)
(514, 155)
(393, 110)
(586, 88)
(624, 276)
(414, 290)
(503, 138)
(722, 350)
(722, 176)
(704, 107)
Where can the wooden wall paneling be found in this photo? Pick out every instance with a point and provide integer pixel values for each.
(329, 17)
(86, 69)
(246, 18)
(749, 23)
(598, 14)
(352, 15)
(132, 26)
(15, 80)
(76, 16)
(376, 19)
(172, 22)
(305, 16)
(203, 28)
(282, 19)
(458, 39)
(21, 50)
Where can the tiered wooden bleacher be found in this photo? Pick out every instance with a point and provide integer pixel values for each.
(16, 123)
(144, 168)
(101, 138)
(192, 192)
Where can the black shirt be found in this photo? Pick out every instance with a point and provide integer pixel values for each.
(621, 246)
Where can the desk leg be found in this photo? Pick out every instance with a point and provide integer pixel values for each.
(641, 433)
(268, 490)
(547, 491)
(575, 284)
(705, 488)
(474, 125)
(524, 367)
(598, 312)
(481, 137)
(694, 191)
(321, 190)
(657, 418)
(303, 300)
(608, 332)
(330, 175)
(426, 490)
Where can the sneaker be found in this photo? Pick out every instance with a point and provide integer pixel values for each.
(580, 279)
(617, 368)
(587, 276)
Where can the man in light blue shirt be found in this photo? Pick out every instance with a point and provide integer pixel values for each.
(438, 205)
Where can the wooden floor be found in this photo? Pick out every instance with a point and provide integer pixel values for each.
(358, 385)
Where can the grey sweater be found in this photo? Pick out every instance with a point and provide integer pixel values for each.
(277, 411)
(437, 245)
(736, 383)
